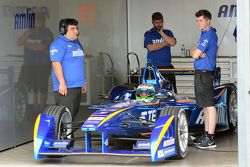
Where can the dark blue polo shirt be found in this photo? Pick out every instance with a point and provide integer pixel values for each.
(161, 57)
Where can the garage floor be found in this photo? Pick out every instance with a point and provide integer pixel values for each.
(226, 154)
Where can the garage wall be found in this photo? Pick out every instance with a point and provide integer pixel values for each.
(179, 17)
(102, 25)
(20, 100)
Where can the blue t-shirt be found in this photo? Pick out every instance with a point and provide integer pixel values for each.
(207, 44)
(161, 57)
(70, 54)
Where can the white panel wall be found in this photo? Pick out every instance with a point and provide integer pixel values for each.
(107, 33)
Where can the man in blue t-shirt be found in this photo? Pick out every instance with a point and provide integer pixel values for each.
(67, 57)
(204, 55)
(158, 42)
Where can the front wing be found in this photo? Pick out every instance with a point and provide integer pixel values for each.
(159, 146)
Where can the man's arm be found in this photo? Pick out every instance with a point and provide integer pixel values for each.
(57, 67)
(197, 53)
(170, 40)
(156, 46)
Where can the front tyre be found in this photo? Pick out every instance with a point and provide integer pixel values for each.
(63, 121)
(181, 130)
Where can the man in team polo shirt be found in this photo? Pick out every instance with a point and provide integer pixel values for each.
(67, 57)
(204, 54)
(158, 42)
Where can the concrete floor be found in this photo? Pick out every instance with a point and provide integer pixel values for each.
(226, 154)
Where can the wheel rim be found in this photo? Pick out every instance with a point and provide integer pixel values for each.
(233, 111)
(63, 128)
(183, 132)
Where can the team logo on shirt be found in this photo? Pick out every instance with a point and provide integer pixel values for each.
(158, 40)
(204, 42)
(77, 53)
(53, 51)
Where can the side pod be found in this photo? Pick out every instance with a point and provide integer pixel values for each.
(163, 139)
(43, 131)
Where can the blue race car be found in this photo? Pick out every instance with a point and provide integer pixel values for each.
(151, 118)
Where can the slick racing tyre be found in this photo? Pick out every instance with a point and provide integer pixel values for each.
(232, 109)
(181, 130)
(63, 121)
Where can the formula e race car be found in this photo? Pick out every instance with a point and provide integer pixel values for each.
(151, 118)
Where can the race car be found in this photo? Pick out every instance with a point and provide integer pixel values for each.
(156, 120)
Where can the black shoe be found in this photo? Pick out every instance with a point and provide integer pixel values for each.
(199, 139)
(207, 143)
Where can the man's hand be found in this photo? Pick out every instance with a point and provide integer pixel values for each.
(63, 89)
(84, 89)
(169, 40)
(161, 30)
(203, 55)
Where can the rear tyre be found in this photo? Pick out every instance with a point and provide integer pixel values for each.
(181, 130)
(232, 109)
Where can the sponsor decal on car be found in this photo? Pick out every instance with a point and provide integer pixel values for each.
(47, 143)
(96, 118)
(148, 115)
(103, 112)
(89, 126)
(169, 142)
(121, 105)
(166, 152)
(106, 142)
(220, 112)
(142, 145)
(61, 144)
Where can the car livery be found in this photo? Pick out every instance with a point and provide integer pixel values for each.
(158, 129)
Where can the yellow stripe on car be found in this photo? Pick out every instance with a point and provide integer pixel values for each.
(112, 115)
(36, 127)
(163, 131)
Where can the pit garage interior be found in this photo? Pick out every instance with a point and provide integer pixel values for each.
(109, 30)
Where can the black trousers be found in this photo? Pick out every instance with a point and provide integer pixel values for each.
(71, 101)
